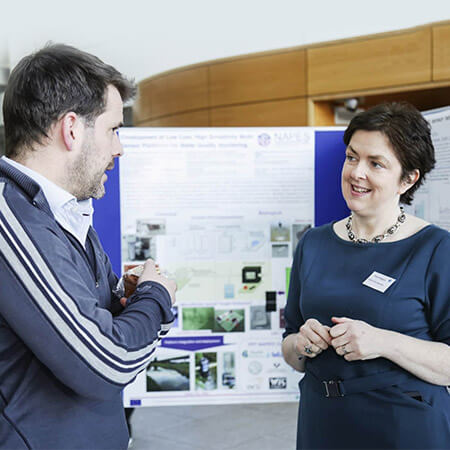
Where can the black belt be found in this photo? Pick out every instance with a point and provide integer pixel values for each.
(340, 388)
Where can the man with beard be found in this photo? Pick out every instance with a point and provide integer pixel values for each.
(68, 345)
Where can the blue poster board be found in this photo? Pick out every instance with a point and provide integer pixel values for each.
(329, 205)
(107, 218)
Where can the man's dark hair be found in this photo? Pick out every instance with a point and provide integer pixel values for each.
(408, 133)
(48, 84)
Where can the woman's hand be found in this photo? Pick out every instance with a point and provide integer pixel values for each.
(312, 339)
(355, 339)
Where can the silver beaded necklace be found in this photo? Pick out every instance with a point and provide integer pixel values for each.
(389, 232)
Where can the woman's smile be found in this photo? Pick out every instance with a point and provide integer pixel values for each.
(359, 191)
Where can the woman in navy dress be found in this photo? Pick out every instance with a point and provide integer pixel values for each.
(368, 309)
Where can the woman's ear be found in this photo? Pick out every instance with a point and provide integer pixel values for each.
(409, 181)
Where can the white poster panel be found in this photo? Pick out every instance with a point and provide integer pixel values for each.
(221, 211)
(432, 199)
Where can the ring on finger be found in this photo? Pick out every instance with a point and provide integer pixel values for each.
(344, 350)
(308, 349)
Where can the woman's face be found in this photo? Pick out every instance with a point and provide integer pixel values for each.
(371, 174)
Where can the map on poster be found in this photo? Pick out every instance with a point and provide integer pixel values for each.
(221, 211)
(432, 199)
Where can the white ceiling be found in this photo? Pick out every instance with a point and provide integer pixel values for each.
(146, 37)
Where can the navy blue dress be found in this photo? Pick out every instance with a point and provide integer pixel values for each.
(388, 407)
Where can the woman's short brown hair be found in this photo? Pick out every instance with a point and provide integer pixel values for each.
(408, 133)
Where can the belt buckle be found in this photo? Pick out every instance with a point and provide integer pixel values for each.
(333, 388)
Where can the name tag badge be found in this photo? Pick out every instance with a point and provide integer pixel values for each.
(379, 282)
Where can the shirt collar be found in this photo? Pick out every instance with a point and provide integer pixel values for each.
(74, 216)
(56, 196)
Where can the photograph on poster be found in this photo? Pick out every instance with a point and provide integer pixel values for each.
(259, 318)
(280, 232)
(228, 370)
(205, 371)
(150, 227)
(141, 245)
(198, 318)
(280, 251)
(138, 248)
(229, 320)
(298, 230)
(168, 374)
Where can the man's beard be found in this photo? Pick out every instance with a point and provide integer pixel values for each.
(85, 184)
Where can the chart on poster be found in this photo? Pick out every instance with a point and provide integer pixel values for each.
(221, 210)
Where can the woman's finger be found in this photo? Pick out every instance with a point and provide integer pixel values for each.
(322, 332)
(338, 330)
(340, 341)
(314, 338)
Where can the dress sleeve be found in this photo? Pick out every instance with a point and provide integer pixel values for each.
(438, 291)
(292, 314)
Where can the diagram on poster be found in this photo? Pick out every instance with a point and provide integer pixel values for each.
(221, 211)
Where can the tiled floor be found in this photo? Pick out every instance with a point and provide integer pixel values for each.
(238, 427)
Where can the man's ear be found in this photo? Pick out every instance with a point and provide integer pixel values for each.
(409, 181)
(72, 128)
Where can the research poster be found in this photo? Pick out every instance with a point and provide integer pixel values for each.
(221, 210)
(432, 200)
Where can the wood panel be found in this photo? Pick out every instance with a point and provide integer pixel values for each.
(189, 119)
(270, 114)
(423, 99)
(441, 52)
(142, 108)
(251, 79)
(323, 114)
(179, 92)
(370, 63)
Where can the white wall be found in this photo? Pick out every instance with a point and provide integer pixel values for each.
(145, 37)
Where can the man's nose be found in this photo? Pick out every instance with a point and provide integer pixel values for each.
(118, 148)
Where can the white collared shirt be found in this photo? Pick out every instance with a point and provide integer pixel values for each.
(74, 216)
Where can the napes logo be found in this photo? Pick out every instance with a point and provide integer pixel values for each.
(264, 140)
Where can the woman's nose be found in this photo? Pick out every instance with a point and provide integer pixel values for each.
(359, 171)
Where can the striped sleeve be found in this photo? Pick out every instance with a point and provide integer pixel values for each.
(48, 305)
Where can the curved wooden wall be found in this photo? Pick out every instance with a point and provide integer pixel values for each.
(300, 86)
